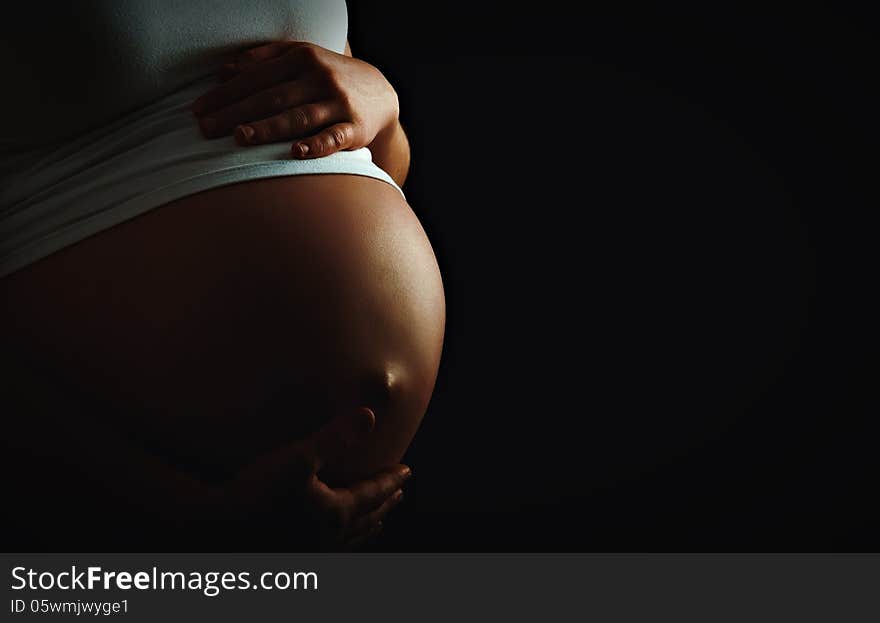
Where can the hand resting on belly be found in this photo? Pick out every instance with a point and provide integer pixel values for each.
(230, 323)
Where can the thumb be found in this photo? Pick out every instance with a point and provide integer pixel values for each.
(251, 57)
(337, 437)
(300, 460)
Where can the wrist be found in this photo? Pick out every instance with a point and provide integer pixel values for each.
(392, 122)
(204, 503)
(395, 107)
(386, 134)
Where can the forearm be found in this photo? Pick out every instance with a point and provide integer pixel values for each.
(59, 450)
(390, 148)
(391, 152)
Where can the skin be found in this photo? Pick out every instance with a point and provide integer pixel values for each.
(309, 393)
(326, 101)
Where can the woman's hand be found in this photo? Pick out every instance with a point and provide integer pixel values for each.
(295, 90)
(283, 487)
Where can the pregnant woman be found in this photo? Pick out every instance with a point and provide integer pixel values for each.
(218, 309)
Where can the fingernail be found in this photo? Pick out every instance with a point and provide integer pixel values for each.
(245, 132)
(406, 473)
(398, 496)
(302, 149)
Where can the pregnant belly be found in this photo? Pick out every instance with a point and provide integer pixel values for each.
(231, 321)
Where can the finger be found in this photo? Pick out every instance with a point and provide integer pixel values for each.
(295, 465)
(258, 106)
(292, 123)
(254, 55)
(362, 539)
(328, 141)
(337, 437)
(262, 76)
(363, 524)
(368, 495)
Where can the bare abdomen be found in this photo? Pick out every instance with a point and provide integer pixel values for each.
(239, 318)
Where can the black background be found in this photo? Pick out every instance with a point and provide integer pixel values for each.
(653, 223)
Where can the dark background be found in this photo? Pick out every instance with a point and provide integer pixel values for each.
(653, 224)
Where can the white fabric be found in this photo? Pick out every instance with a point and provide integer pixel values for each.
(53, 195)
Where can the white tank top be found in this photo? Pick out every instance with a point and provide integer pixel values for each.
(96, 127)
